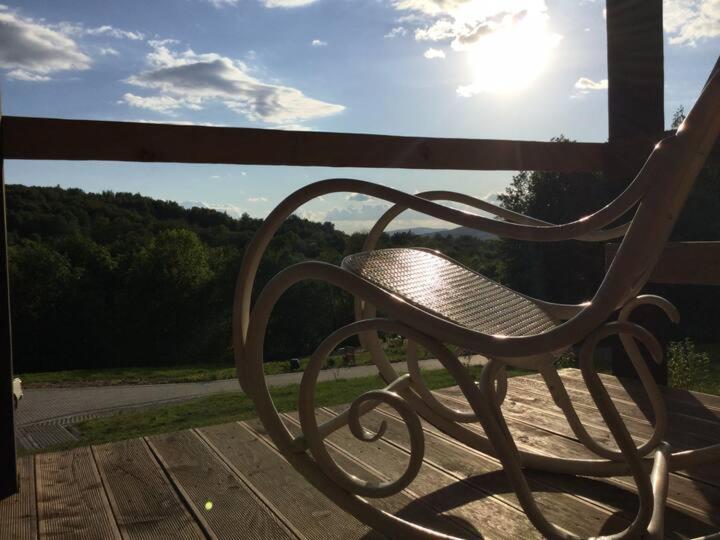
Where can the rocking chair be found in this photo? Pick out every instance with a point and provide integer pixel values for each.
(433, 301)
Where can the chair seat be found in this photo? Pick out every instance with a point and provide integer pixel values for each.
(445, 288)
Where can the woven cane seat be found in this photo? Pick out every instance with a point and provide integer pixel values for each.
(447, 289)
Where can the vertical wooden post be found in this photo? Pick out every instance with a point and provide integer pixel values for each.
(636, 101)
(636, 111)
(8, 457)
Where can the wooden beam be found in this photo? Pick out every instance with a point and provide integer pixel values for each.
(8, 456)
(636, 112)
(635, 69)
(682, 263)
(58, 139)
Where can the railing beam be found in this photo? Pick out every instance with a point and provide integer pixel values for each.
(59, 139)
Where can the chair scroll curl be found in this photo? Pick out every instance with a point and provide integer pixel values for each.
(432, 300)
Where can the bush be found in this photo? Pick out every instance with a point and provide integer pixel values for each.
(687, 368)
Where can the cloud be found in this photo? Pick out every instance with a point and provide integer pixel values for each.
(434, 53)
(33, 50)
(257, 199)
(398, 31)
(286, 3)
(507, 42)
(231, 210)
(77, 29)
(360, 197)
(186, 80)
(357, 213)
(585, 84)
(162, 104)
(108, 51)
(318, 43)
(689, 21)
(22, 75)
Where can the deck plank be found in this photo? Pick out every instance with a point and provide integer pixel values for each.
(696, 503)
(442, 493)
(159, 486)
(71, 499)
(485, 475)
(700, 404)
(304, 506)
(143, 500)
(202, 478)
(404, 504)
(684, 432)
(18, 513)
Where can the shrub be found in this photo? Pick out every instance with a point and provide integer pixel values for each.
(687, 368)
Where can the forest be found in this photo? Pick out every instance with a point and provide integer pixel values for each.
(119, 279)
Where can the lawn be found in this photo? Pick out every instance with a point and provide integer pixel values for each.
(181, 374)
(229, 407)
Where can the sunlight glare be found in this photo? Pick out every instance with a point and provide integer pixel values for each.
(508, 59)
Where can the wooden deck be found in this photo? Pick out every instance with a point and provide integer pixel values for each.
(227, 481)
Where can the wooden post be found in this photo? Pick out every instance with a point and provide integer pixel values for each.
(8, 458)
(636, 113)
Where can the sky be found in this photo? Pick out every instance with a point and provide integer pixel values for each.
(500, 69)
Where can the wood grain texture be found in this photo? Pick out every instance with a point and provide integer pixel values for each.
(52, 138)
(202, 478)
(481, 511)
(682, 263)
(18, 513)
(133, 489)
(303, 506)
(144, 502)
(695, 504)
(482, 476)
(71, 499)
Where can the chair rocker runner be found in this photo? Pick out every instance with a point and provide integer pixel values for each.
(432, 301)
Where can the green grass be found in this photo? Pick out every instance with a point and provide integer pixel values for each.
(229, 407)
(161, 375)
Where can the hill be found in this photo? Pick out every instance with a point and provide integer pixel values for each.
(119, 279)
(455, 233)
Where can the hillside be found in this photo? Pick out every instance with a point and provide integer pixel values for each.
(114, 279)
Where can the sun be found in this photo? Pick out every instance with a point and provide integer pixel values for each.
(512, 56)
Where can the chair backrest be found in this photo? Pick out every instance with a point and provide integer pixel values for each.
(674, 165)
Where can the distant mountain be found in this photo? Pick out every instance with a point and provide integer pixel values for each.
(455, 233)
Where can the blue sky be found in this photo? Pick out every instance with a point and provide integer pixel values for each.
(515, 69)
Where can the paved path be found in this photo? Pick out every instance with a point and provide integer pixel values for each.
(68, 405)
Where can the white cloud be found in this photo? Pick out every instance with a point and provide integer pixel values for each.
(360, 197)
(190, 81)
(507, 42)
(34, 50)
(231, 210)
(163, 104)
(318, 43)
(398, 31)
(77, 29)
(22, 75)
(286, 3)
(585, 84)
(257, 199)
(434, 53)
(108, 51)
(688, 21)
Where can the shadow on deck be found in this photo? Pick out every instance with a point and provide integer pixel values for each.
(228, 481)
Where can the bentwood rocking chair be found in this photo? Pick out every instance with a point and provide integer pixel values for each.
(434, 301)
